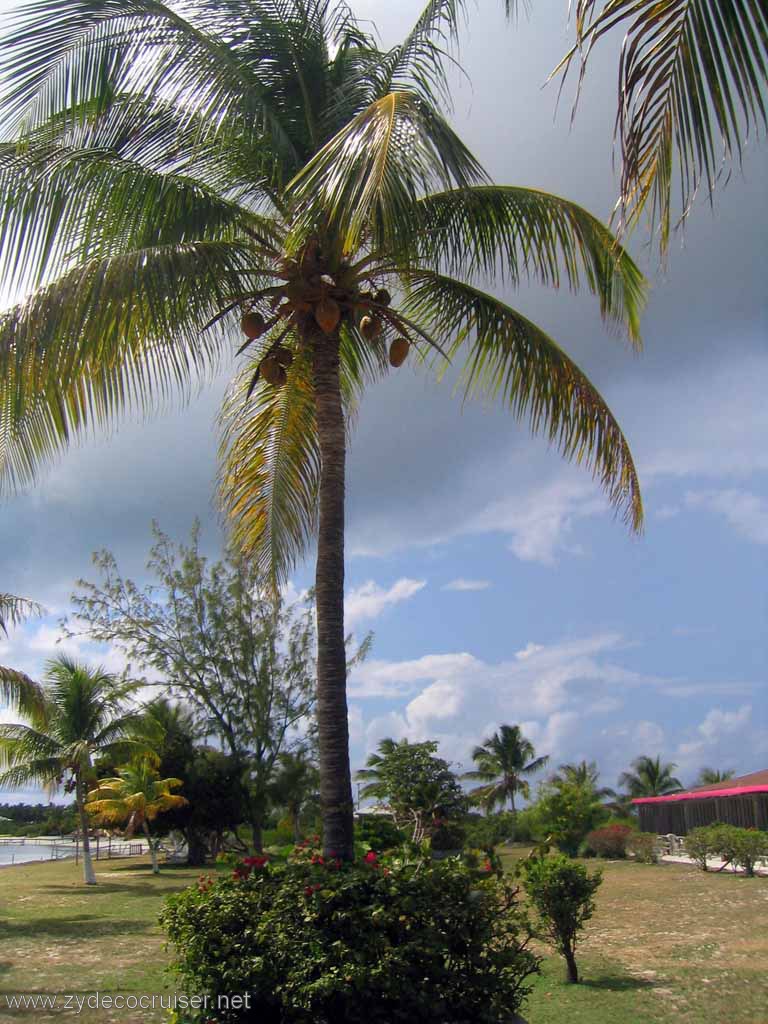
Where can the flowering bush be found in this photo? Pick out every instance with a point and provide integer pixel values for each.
(609, 841)
(383, 940)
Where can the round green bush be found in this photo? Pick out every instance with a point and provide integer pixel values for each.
(311, 941)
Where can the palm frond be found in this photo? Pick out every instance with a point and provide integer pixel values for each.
(20, 693)
(364, 181)
(518, 233)
(83, 53)
(691, 88)
(121, 333)
(14, 610)
(271, 466)
(419, 63)
(509, 354)
(61, 206)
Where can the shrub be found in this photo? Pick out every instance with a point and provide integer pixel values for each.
(748, 846)
(562, 892)
(643, 846)
(488, 830)
(743, 847)
(375, 942)
(378, 831)
(448, 836)
(698, 845)
(609, 841)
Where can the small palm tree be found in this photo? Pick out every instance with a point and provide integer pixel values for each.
(585, 773)
(181, 174)
(650, 777)
(692, 89)
(502, 762)
(82, 713)
(136, 796)
(711, 776)
(295, 786)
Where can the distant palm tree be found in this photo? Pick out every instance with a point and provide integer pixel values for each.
(295, 785)
(711, 776)
(136, 796)
(502, 761)
(650, 778)
(584, 773)
(16, 689)
(82, 713)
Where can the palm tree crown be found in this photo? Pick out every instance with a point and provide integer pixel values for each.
(176, 172)
(135, 797)
(650, 777)
(83, 714)
(502, 762)
(585, 773)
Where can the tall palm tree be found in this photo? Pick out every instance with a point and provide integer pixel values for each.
(502, 762)
(691, 90)
(84, 714)
(177, 170)
(135, 796)
(649, 777)
(17, 690)
(584, 773)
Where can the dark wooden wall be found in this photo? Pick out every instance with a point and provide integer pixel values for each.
(680, 816)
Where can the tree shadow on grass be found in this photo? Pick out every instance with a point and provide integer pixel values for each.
(616, 983)
(104, 889)
(80, 926)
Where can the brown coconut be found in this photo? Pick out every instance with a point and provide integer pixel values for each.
(253, 325)
(370, 327)
(284, 356)
(272, 371)
(398, 351)
(328, 314)
(383, 297)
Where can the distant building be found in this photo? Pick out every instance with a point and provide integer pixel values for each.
(742, 801)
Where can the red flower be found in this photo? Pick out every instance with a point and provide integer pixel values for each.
(308, 890)
(255, 862)
(488, 866)
(371, 858)
(317, 859)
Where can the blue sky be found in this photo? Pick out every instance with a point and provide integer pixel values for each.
(498, 584)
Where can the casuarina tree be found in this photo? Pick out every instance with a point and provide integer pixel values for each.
(179, 175)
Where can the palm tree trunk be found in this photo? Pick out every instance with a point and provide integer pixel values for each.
(333, 728)
(88, 873)
(152, 851)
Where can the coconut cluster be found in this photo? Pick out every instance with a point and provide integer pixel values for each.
(316, 295)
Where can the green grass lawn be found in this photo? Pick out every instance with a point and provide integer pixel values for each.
(57, 935)
(668, 945)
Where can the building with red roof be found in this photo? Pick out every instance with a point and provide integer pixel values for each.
(742, 801)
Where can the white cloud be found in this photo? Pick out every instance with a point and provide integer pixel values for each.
(369, 600)
(462, 584)
(540, 521)
(746, 513)
(722, 739)
(718, 722)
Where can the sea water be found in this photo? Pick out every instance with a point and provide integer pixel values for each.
(27, 853)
